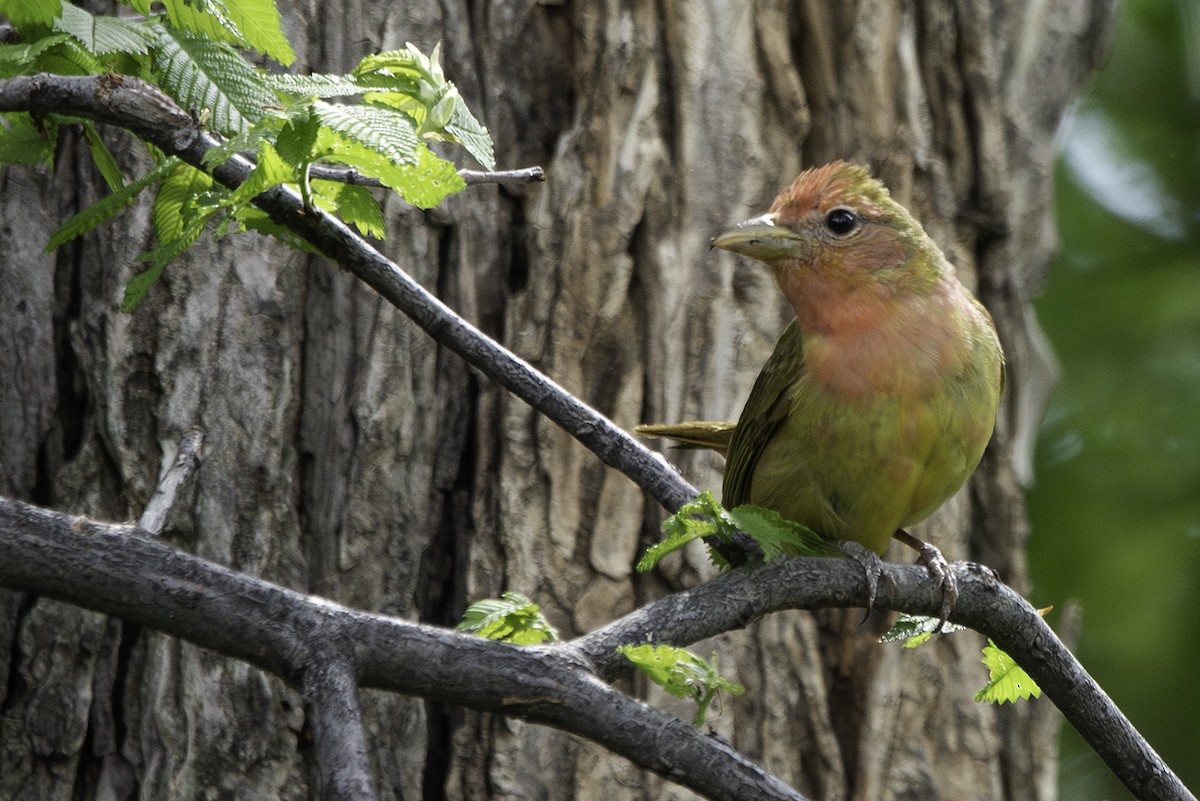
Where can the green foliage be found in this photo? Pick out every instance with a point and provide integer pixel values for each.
(398, 103)
(1007, 681)
(510, 618)
(682, 674)
(24, 141)
(210, 79)
(705, 519)
(102, 36)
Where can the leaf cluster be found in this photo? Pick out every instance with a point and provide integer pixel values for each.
(682, 674)
(706, 519)
(379, 120)
(510, 618)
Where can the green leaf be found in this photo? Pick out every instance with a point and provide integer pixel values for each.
(916, 630)
(322, 85)
(139, 285)
(27, 15)
(105, 163)
(706, 518)
(108, 207)
(776, 535)
(23, 141)
(354, 204)
(243, 23)
(209, 77)
(161, 256)
(682, 674)
(470, 133)
(269, 170)
(102, 35)
(297, 139)
(378, 129)
(424, 184)
(694, 521)
(176, 200)
(1008, 681)
(510, 618)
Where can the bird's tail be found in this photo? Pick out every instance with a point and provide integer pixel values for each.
(713, 434)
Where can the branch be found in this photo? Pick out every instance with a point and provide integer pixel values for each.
(331, 692)
(146, 111)
(114, 569)
(187, 459)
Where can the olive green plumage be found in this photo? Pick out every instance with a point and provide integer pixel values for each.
(880, 397)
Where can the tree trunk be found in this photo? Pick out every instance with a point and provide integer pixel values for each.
(349, 456)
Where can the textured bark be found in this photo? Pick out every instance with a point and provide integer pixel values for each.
(348, 456)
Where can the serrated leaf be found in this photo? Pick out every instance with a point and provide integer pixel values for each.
(915, 630)
(269, 170)
(22, 141)
(23, 59)
(510, 618)
(243, 23)
(204, 75)
(682, 674)
(27, 14)
(354, 204)
(297, 139)
(165, 253)
(776, 535)
(377, 129)
(1008, 681)
(175, 200)
(105, 163)
(695, 520)
(470, 133)
(103, 35)
(139, 285)
(323, 85)
(107, 207)
(424, 184)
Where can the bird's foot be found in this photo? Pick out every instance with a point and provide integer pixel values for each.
(939, 570)
(872, 567)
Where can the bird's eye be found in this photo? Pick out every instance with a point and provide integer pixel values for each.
(842, 222)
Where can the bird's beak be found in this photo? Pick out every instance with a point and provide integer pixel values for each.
(760, 238)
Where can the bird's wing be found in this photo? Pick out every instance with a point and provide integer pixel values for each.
(765, 410)
(714, 434)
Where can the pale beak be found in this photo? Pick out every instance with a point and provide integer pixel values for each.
(760, 238)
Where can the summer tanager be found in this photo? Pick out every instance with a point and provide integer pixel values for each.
(880, 397)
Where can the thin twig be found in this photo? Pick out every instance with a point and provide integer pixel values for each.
(348, 175)
(528, 175)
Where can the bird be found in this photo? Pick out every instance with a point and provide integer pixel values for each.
(881, 394)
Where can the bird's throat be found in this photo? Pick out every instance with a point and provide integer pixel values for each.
(863, 338)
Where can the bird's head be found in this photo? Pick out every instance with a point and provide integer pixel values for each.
(841, 222)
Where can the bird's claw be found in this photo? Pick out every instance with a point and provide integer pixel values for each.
(872, 567)
(939, 570)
